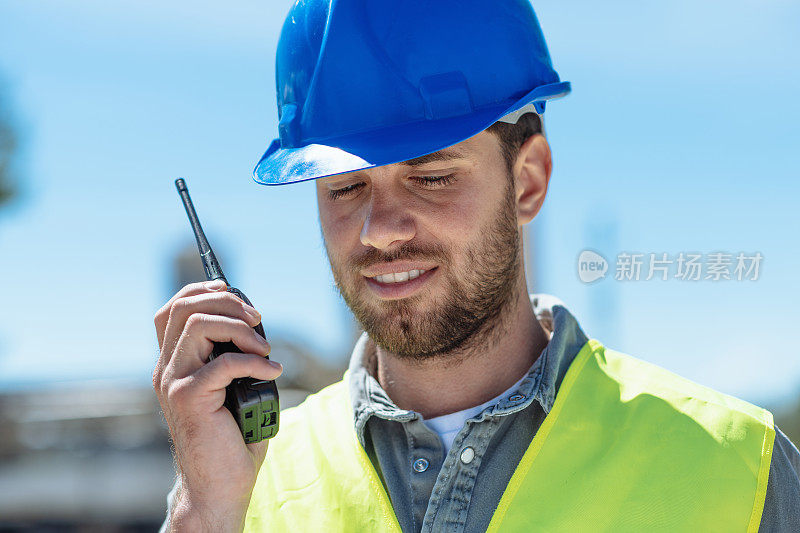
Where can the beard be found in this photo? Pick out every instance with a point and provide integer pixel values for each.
(470, 307)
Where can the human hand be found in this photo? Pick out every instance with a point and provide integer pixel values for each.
(218, 470)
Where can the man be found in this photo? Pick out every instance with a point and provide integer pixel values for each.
(468, 405)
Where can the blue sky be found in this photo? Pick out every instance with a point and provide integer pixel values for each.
(681, 135)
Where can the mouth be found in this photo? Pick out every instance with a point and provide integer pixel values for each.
(399, 284)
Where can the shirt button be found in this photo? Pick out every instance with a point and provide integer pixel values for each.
(516, 398)
(420, 465)
(467, 455)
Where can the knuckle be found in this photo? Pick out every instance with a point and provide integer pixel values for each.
(223, 300)
(159, 316)
(190, 287)
(232, 299)
(226, 362)
(179, 307)
(177, 392)
(243, 327)
(196, 320)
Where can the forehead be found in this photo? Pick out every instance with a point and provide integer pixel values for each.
(468, 152)
(473, 148)
(446, 154)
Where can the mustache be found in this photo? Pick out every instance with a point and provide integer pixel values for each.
(408, 251)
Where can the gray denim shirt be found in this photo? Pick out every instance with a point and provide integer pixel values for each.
(433, 491)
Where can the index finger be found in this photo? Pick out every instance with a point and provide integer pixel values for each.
(192, 289)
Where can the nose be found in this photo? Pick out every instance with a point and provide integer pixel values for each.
(387, 221)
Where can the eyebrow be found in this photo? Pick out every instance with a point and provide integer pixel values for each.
(441, 155)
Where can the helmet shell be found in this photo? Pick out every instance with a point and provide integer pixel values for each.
(364, 83)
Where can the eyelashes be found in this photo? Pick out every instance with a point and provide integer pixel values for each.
(435, 181)
(344, 191)
(427, 182)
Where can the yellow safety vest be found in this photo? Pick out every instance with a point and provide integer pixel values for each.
(627, 446)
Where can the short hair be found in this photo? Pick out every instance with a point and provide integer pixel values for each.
(512, 136)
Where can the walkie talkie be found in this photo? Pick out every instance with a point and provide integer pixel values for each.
(253, 403)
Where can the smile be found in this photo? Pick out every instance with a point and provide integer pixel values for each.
(398, 277)
(397, 285)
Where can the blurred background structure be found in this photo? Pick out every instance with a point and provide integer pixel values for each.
(8, 149)
(681, 135)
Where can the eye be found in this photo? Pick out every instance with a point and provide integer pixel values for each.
(344, 191)
(433, 182)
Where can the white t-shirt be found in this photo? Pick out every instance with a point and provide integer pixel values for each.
(448, 426)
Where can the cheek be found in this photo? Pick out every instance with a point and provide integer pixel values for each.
(340, 228)
(456, 219)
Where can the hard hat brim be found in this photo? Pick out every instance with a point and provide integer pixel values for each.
(281, 166)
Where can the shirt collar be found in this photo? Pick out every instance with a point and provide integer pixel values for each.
(540, 383)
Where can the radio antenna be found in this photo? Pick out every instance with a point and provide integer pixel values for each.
(210, 263)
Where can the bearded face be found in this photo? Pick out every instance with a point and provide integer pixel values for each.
(472, 283)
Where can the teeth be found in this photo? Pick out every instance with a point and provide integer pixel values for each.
(398, 277)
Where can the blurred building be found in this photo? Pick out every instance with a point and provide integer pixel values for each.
(95, 456)
(82, 457)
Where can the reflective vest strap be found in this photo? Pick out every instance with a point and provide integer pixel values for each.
(629, 446)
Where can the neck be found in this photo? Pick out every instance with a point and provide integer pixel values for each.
(474, 374)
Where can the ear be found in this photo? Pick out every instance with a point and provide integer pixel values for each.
(532, 171)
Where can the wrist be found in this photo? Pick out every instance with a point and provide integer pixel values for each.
(193, 515)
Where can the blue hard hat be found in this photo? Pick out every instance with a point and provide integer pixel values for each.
(365, 83)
